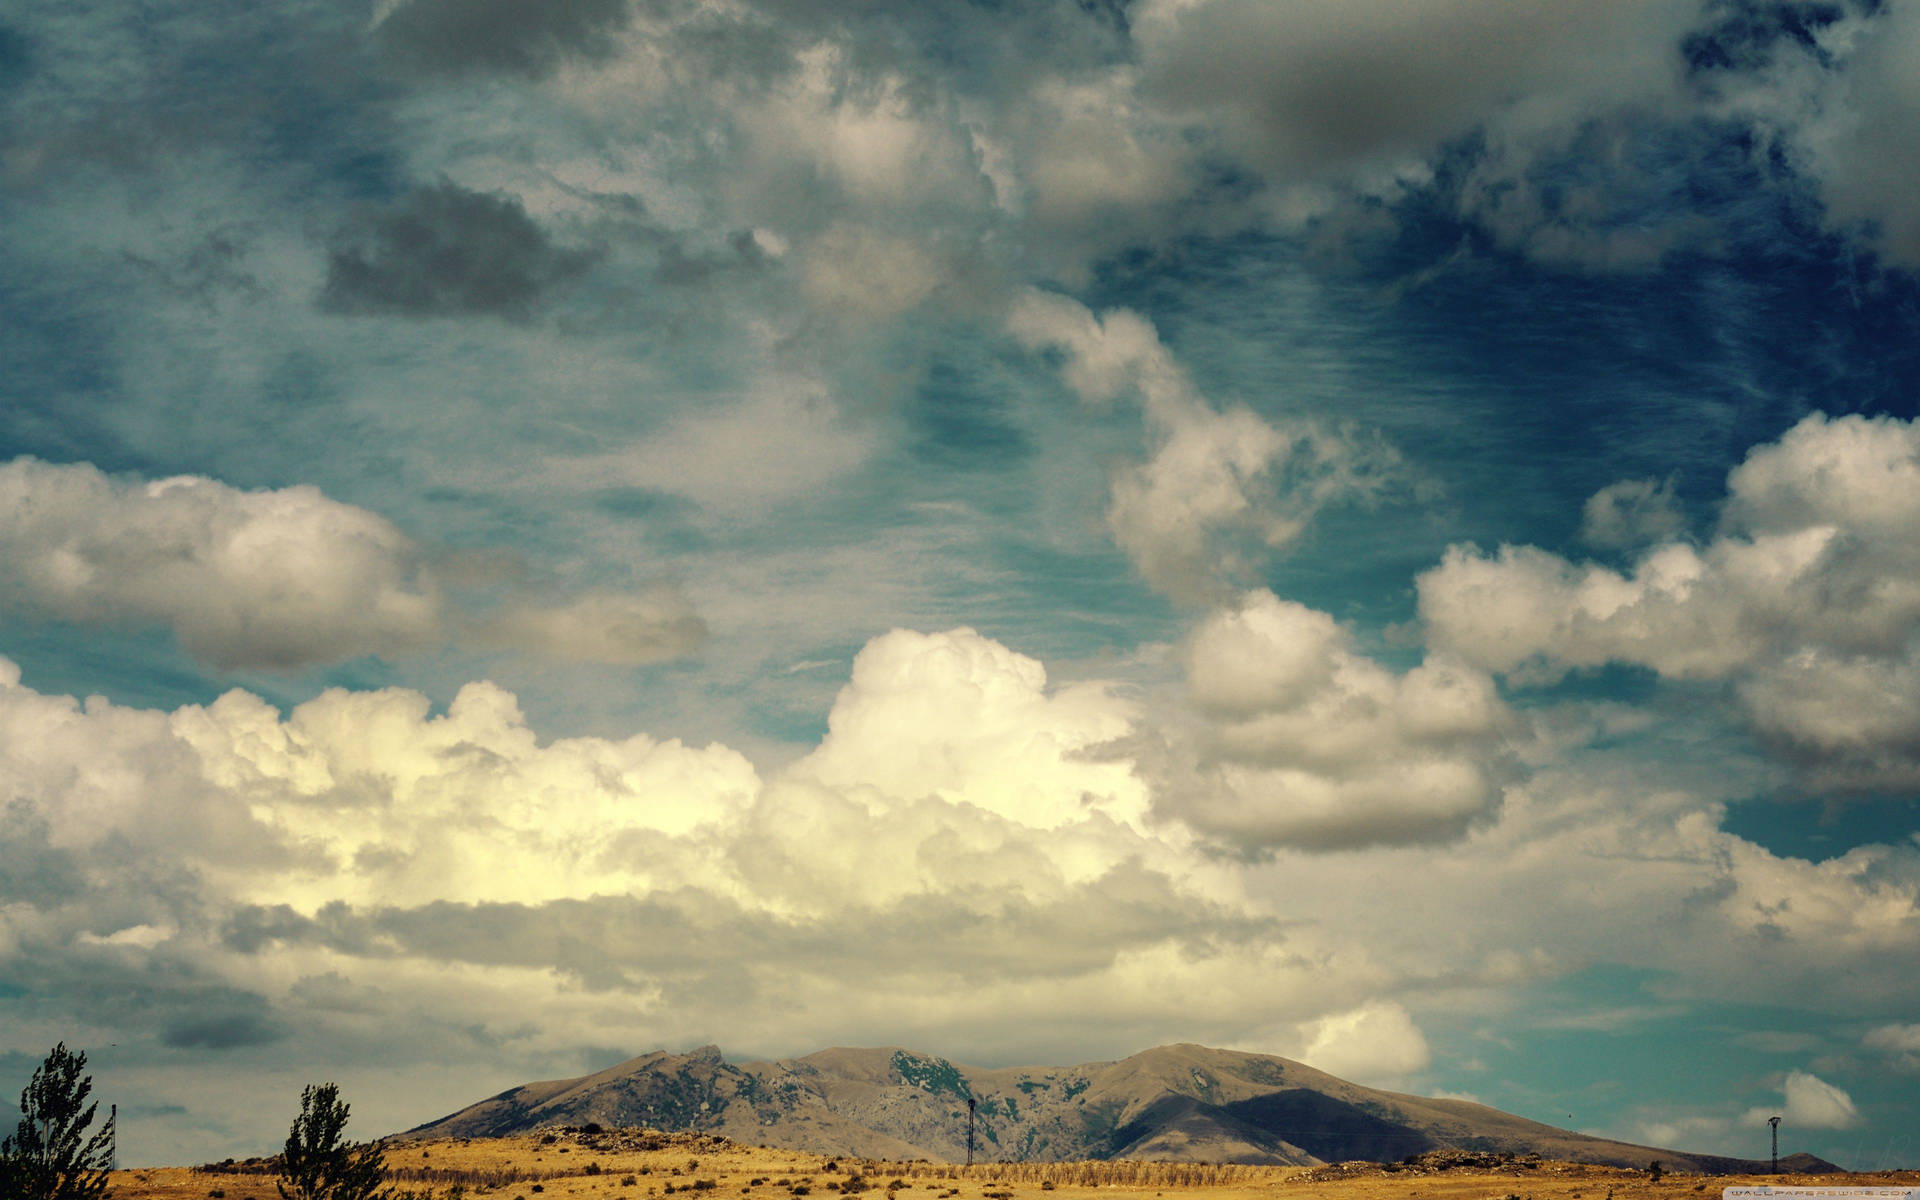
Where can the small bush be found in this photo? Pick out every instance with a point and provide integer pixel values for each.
(628, 1180)
(217, 1194)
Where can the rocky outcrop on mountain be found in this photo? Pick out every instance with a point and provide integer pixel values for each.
(1180, 1102)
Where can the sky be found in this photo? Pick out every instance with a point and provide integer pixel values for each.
(1382, 533)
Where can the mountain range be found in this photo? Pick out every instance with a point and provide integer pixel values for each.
(1181, 1102)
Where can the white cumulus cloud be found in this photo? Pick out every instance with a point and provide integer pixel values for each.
(1376, 1043)
(1805, 601)
(1854, 126)
(960, 716)
(1220, 489)
(1304, 742)
(964, 858)
(1810, 1102)
(275, 578)
(1631, 513)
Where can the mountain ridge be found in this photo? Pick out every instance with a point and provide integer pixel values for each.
(1180, 1102)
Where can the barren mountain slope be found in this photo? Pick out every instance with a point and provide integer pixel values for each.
(1173, 1102)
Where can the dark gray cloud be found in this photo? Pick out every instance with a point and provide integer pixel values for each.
(500, 36)
(693, 935)
(443, 250)
(73, 983)
(30, 867)
(222, 1031)
(1310, 86)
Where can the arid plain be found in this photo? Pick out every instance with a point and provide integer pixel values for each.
(645, 1165)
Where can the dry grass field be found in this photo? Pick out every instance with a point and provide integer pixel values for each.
(637, 1165)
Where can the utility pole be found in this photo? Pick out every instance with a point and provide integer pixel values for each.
(1775, 1123)
(970, 1104)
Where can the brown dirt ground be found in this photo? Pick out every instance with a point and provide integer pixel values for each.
(632, 1165)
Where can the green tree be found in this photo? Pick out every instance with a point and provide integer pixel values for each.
(318, 1163)
(50, 1156)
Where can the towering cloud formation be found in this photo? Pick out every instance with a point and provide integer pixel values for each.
(379, 882)
(961, 717)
